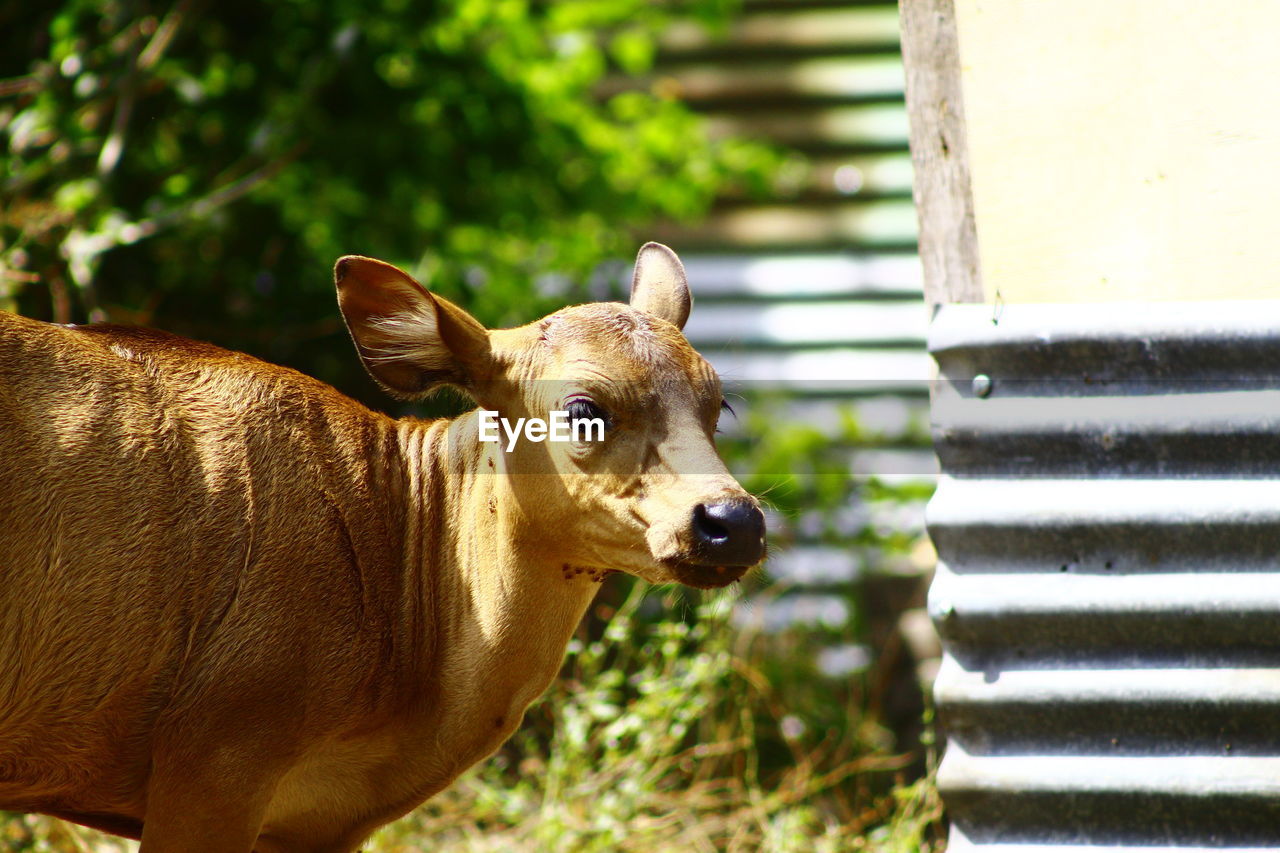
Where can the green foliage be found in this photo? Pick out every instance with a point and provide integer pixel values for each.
(804, 469)
(649, 741)
(199, 166)
(39, 834)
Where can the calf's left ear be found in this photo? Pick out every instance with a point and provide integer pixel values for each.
(659, 286)
(410, 341)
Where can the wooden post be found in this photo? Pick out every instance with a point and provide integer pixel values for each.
(940, 153)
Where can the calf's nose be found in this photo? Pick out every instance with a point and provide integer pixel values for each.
(728, 533)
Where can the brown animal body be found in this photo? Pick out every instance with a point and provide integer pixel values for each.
(239, 611)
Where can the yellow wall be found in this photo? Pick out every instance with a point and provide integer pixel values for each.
(1124, 149)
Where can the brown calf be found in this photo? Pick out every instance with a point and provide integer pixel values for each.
(239, 611)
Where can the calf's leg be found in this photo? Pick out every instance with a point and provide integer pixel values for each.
(209, 807)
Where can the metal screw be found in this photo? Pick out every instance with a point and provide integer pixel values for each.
(981, 385)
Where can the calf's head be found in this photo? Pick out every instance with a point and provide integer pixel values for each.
(646, 494)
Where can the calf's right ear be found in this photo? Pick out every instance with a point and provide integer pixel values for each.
(411, 341)
(659, 286)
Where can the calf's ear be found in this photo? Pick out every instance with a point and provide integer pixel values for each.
(659, 286)
(410, 341)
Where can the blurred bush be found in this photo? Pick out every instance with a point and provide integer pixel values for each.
(199, 166)
(650, 742)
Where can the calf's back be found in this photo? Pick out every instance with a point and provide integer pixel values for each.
(173, 513)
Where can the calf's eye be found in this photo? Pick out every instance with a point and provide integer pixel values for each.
(725, 407)
(582, 409)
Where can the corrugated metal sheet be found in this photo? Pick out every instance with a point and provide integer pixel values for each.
(1108, 528)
